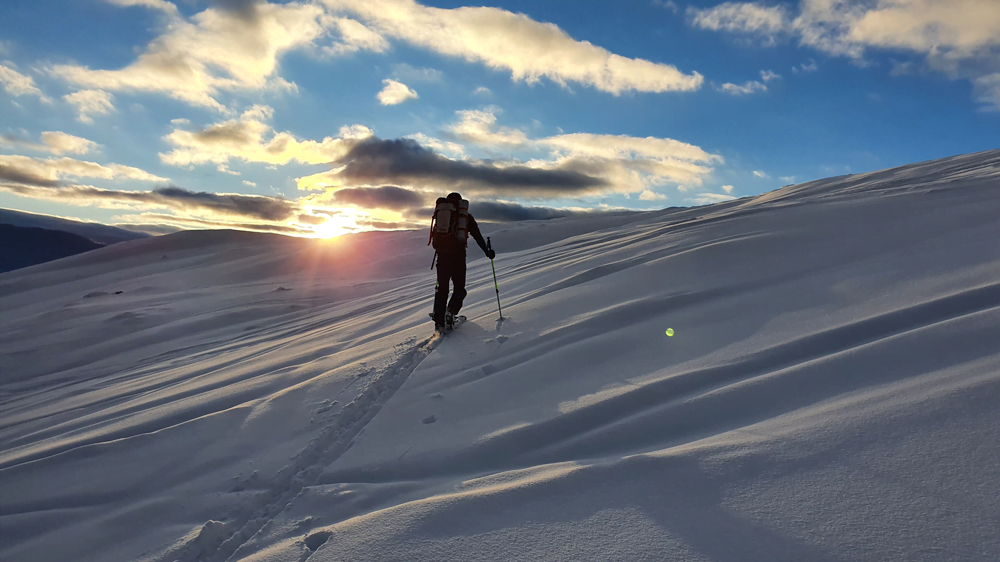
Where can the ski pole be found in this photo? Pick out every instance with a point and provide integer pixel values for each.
(495, 286)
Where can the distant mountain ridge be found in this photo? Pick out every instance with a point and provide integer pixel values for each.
(24, 246)
(99, 233)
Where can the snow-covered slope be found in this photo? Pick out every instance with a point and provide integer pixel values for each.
(830, 392)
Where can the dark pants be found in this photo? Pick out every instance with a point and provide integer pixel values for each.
(449, 268)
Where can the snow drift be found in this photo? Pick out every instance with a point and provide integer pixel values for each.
(830, 391)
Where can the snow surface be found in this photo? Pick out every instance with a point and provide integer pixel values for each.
(831, 390)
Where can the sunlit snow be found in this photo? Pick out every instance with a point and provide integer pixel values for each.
(830, 392)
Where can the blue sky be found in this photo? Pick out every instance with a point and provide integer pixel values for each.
(318, 118)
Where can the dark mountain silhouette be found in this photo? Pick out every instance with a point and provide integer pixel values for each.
(25, 246)
(100, 233)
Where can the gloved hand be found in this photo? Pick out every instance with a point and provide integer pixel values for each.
(490, 253)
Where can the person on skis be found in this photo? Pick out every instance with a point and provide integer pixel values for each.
(450, 229)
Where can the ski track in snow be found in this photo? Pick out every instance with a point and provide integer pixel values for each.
(220, 541)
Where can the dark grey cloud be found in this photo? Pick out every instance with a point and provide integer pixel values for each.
(246, 9)
(259, 207)
(14, 140)
(152, 229)
(248, 206)
(328, 212)
(230, 133)
(173, 223)
(17, 175)
(383, 225)
(385, 197)
(490, 211)
(312, 219)
(263, 227)
(406, 162)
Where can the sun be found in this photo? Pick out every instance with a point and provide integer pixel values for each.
(335, 226)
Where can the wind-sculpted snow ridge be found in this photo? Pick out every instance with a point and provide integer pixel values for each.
(827, 388)
(968, 171)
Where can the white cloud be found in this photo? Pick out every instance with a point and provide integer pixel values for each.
(249, 183)
(446, 147)
(648, 195)
(767, 75)
(825, 25)
(530, 50)
(482, 91)
(251, 139)
(17, 84)
(727, 188)
(54, 142)
(965, 26)
(666, 4)
(628, 164)
(987, 91)
(218, 50)
(90, 102)
(811, 66)
(62, 143)
(748, 88)
(625, 147)
(760, 174)
(409, 73)
(395, 93)
(479, 127)
(161, 5)
(788, 179)
(766, 21)
(354, 37)
(709, 198)
(225, 170)
(959, 38)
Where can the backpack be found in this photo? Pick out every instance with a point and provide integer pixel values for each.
(449, 226)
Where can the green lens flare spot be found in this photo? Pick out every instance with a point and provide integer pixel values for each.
(670, 332)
